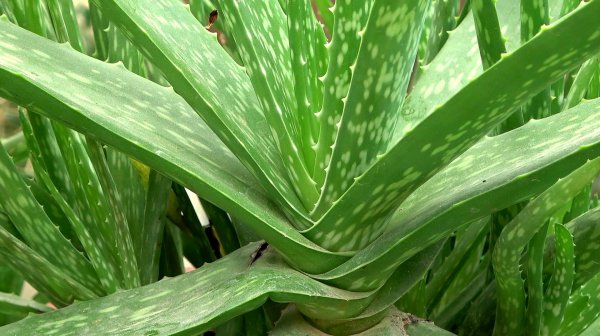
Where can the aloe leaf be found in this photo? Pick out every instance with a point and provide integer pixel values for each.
(170, 262)
(11, 304)
(64, 21)
(324, 8)
(559, 288)
(581, 82)
(154, 211)
(450, 312)
(582, 309)
(430, 213)
(510, 311)
(443, 275)
(534, 16)
(405, 277)
(489, 34)
(222, 227)
(451, 67)
(350, 18)
(585, 231)
(535, 281)
(99, 28)
(35, 226)
(96, 247)
(268, 65)
(124, 245)
(16, 147)
(201, 72)
(458, 124)
(193, 302)
(443, 20)
(120, 118)
(60, 287)
(380, 77)
(309, 60)
(195, 238)
(392, 323)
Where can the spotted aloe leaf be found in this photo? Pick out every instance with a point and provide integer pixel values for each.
(489, 34)
(96, 247)
(378, 83)
(36, 227)
(201, 71)
(268, 65)
(175, 153)
(195, 300)
(424, 218)
(458, 124)
(38, 271)
(585, 231)
(561, 283)
(309, 62)
(582, 310)
(350, 18)
(510, 312)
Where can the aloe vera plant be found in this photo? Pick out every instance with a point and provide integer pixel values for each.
(373, 167)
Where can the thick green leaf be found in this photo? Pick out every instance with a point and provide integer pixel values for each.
(59, 286)
(473, 186)
(193, 302)
(169, 136)
(95, 246)
(216, 87)
(394, 323)
(350, 18)
(510, 312)
(405, 277)
(267, 59)
(309, 62)
(36, 227)
(559, 288)
(535, 280)
(581, 82)
(458, 124)
(153, 230)
(489, 35)
(582, 309)
(11, 304)
(378, 84)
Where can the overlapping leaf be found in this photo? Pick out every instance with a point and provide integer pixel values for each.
(133, 115)
(458, 124)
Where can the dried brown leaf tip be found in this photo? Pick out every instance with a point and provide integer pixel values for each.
(212, 18)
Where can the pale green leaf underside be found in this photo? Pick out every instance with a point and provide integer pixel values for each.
(150, 123)
(474, 185)
(458, 124)
(193, 302)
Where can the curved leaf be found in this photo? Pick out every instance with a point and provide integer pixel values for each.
(474, 185)
(217, 88)
(193, 302)
(148, 122)
(458, 124)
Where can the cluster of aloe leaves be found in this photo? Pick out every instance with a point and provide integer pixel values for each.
(371, 167)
